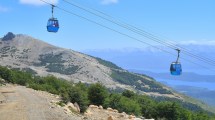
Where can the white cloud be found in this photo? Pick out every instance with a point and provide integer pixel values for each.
(37, 2)
(193, 42)
(3, 9)
(107, 2)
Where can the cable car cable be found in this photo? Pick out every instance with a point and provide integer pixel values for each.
(144, 33)
(82, 17)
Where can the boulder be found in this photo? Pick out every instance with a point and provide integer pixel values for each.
(88, 113)
(110, 109)
(110, 118)
(93, 106)
(122, 115)
(116, 111)
(73, 107)
(100, 107)
(139, 119)
(77, 107)
(131, 117)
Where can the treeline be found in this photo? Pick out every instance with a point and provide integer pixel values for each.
(97, 94)
(139, 81)
(53, 63)
(184, 104)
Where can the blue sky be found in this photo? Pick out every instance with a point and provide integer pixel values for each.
(179, 20)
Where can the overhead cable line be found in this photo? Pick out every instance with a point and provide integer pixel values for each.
(140, 32)
(131, 37)
(82, 17)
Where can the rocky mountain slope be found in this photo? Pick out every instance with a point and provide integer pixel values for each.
(35, 56)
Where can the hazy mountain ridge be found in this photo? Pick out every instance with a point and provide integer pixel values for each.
(27, 53)
(186, 76)
(152, 59)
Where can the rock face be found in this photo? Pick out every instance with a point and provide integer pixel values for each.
(35, 56)
(8, 36)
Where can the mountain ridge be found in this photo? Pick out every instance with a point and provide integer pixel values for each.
(29, 54)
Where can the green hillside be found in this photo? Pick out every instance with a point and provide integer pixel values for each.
(97, 94)
(140, 81)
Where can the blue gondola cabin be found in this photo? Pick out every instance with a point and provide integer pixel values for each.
(176, 68)
(52, 25)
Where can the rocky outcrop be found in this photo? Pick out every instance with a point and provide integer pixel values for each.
(8, 36)
(96, 113)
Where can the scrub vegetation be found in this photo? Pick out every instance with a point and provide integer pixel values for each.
(97, 94)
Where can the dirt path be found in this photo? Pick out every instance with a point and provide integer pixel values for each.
(21, 103)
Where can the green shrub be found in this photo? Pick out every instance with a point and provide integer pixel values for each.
(97, 94)
(128, 101)
(6, 74)
(128, 93)
(78, 95)
(123, 104)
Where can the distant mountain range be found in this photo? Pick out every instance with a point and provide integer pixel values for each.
(186, 76)
(154, 60)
